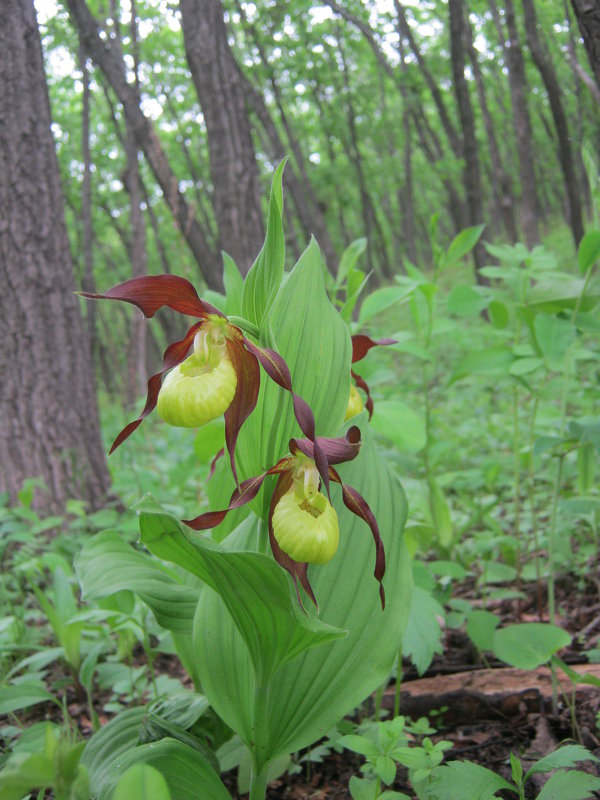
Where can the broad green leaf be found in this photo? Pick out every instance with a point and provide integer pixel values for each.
(400, 424)
(14, 697)
(499, 314)
(586, 467)
(386, 769)
(440, 513)
(491, 361)
(357, 280)
(253, 587)
(481, 626)
(554, 335)
(349, 258)
(107, 564)
(465, 301)
(23, 773)
(529, 645)
(462, 244)
(569, 783)
(566, 756)
(525, 366)
(361, 745)
(209, 440)
(589, 251)
(555, 294)
(382, 299)
(265, 275)
(309, 695)
(111, 742)
(363, 789)
(423, 636)
(187, 774)
(234, 285)
(142, 782)
(458, 780)
(304, 328)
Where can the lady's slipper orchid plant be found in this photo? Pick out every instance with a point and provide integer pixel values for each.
(222, 376)
(303, 525)
(361, 345)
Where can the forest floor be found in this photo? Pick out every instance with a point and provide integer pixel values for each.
(484, 708)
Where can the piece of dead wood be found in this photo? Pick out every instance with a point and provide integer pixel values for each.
(486, 693)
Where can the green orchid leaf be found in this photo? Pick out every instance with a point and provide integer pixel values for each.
(186, 773)
(304, 328)
(107, 564)
(264, 277)
(234, 286)
(109, 744)
(23, 773)
(254, 589)
(142, 782)
(14, 697)
(308, 695)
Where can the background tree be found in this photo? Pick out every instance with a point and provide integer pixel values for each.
(48, 414)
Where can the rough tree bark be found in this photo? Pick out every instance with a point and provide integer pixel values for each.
(518, 94)
(588, 19)
(48, 414)
(565, 152)
(472, 172)
(104, 55)
(232, 160)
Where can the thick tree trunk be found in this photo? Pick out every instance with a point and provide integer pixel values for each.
(472, 171)
(565, 152)
(232, 160)
(522, 124)
(588, 19)
(48, 414)
(104, 55)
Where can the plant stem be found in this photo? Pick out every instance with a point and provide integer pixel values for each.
(398, 686)
(245, 325)
(258, 785)
(260, 764)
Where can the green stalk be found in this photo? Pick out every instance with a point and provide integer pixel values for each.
(260, 765)
(398, 686)
(517, 487)
(247, 326)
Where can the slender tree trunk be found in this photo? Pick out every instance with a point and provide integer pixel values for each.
(588, 19)
(87, 282)
(104, 55)
(565, 152)
(500, 180)
(48, 413)
(522, 124)
(232, 161)
(472, 171)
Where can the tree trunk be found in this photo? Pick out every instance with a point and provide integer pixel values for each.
(48, 413)
(565, 152)
(232, 161)
(522, 124)
(501, 182)
(103, 53)
(472, 171)
(588, 19)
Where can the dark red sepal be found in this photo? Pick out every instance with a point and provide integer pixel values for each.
(246, 394)
(337, 450)
(357, 504)
(361, 345)
(276, 368)
(242, 494)
(173, 355)
(151, 292)
(213, 463)
(298, 570)
(362, 384)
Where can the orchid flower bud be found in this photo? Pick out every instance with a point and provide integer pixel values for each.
(202, 387)
(304, 522)
(355, 403)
